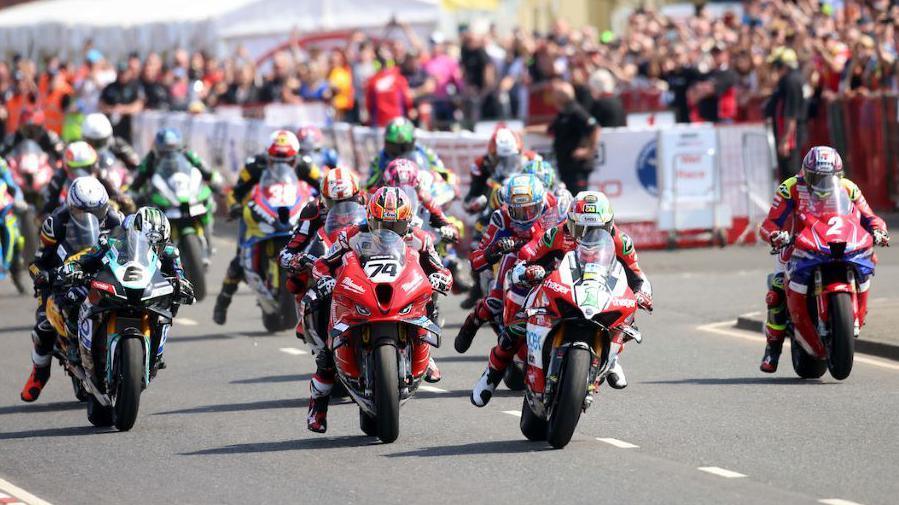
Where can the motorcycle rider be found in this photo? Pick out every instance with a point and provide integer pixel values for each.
(338, 185)
(168, 141)
(31, 127)
(819, 168)
(313, 150)
(81, 159)
(86, 196)
(388, 209)
(511, 226)
(283, 148)
(152, 223)
(96, 130)
(590, 213)
(399, 140)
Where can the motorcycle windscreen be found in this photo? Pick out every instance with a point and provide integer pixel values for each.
(595, 259)
(173, 163)
(506, 166)
(382, 254)
(343, 214)
(828, 197)
(134, 252)
(279, 185)
(82, 232)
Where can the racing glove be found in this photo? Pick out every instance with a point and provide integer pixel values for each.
(500, 247)
(644, 300)
(449, 233)
(881, 238)
(70, 273)
(779, 239)
(475, 205)
(185, 291)
(440, 282)
(324, 286)
(527, 275)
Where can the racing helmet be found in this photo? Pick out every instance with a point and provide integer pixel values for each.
(543, 170)
(167, 140)
(504, 151)
(79, 155)
(283, 146)
(399, 137)
(310, 138)
(96, 130)
(525, 198)
(31, 122)
(87, 196)
(152, 223)
(589, 213)
(402, 172)
(337, 185)
(819, 168)
(389, 208)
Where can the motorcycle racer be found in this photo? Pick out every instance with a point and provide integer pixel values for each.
(86, 196)
(505, 156)
(388, 209)
(96, 130)
(819, 168)
(283, 148)
(511, 226)
(399, 140)
(80, 158)
(31, 127)
(168, 141)
(589, 213)
(313, 151)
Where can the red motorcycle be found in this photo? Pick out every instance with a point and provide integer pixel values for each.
(572, 318)
(830, 254)
(32, 171)
(380, 331)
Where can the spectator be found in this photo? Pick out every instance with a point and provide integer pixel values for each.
(479, 75)
(575, 136)
(243, 90)
(155, 92)
(715, 93)
(787, 109)
(273, 89)
(340, 80)
(606, 108)
(447, 75)
(387, 94)
(122, 99)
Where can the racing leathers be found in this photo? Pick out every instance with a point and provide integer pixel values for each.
(424, 156)
(147, 168)
(48, 141)
(51, 255)
(123, 151)
(248, 178)
(778, 229)
(324, 271)
(62, 177)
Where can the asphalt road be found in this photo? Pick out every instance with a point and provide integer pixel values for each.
(225, 422)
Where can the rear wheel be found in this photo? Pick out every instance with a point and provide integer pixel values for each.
(28, 227)
(387, 393)
(841, 344)
(129, 383)
(192, 252)
(570, 398)
(805, 365)
(368, 424)
(97, 414)
(80, 393)
(286, 303)
(532, 427)
(514, 377)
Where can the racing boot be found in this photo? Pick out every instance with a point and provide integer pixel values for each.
(433, 373)
(486, 385)
(474, 294)
(233, 276)
(320, 395)
(470, 327)
(36, 382)
(771, 357)
(220, 311)
(616, 375)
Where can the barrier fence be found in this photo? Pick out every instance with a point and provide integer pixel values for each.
(668, 186)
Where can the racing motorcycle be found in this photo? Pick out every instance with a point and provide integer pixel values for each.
(32, 171)
(11, 240)
(833, 250)
(112, 169)
(380, 330)
(269, 218)
(178, 189)
(122, 329)
(572, 318)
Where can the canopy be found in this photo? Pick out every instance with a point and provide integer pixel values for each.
(116, 27)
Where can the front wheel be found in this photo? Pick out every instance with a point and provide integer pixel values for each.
(387, 393)
(841, 344)
(192, 252)
(129, 383)
(570, 398)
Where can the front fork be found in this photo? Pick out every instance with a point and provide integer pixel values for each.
(822, 300)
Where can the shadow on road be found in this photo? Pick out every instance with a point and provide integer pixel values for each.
(289, 445)
(492, 447)
(737, 381)
(15, 329)
(274, 379)
(196, 338)
(465, 393)
(462, 358)
(291, 403)
(41, 407)
(55, 432)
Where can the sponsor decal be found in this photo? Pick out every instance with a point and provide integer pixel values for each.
(352, 286)
(646, 168)
(555, 286)
(414, 283)
(624, 302)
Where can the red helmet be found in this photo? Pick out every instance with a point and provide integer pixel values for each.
(283, 146)
(504, 143)
(31, 115)
(310, 138)
(401, 173)
(389, 209)
(339, 184)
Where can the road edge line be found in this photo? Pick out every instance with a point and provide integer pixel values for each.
(21, 494)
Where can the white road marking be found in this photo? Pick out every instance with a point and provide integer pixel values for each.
(837, 501)
(186, 321)
(516, 413)
(293, 351)
(726, 328)
(621, 444)
(431, 389)
(21, 494)
(721, 472)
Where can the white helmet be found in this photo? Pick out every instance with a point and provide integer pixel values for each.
(96, 129)
(87, 195)
(507, 143)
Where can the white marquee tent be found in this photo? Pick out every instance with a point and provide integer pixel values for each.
(120, 26)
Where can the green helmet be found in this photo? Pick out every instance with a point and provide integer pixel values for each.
(543, 170)
(399, 136)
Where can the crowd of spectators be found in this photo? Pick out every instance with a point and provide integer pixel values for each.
(703, 68)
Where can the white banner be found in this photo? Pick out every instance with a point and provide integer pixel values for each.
(626, 172)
